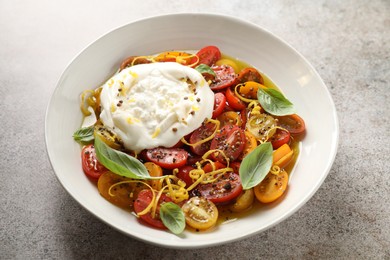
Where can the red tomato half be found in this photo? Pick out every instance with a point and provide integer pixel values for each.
(142, 202)
(280, 138)
(208, 167)
(225, 77)
(231, 140)
(250, 74)
(293, 123)
(233, 101)
(168, 158)
(204, 131)
(209, 55)
(224, 190)
(219, 104)
(91, 166)
(184, 174)
(235, 166)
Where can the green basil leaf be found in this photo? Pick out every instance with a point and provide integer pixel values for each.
(84, 135)
(119, 162)
(173, 217)
(203, 68)
(274, 102)
(256, 165)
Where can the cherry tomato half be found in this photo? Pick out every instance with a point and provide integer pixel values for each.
(142, 202)
(250, 74)
(208, 167)
(122, 195)
(230, 118)
(184, 175)
(233, 101)
(200, 213)
(280, 138)
(231, 140)
(91, 166)
(225, 77)
(219, 104)
(168, 158)
(222, 191)
(272, 187)
(209, 55)
(202, 132)
(293, 123)
(250, 144)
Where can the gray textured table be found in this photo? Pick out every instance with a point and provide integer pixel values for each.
(348, 42)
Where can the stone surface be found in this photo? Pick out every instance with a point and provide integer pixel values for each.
(348, 42)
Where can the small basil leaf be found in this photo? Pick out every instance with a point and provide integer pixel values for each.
(173, 217)
(84, 135)
(256, 165)
(274, 102)
(119, 162)
(203, 68)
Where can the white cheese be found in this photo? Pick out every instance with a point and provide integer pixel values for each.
(156, 104)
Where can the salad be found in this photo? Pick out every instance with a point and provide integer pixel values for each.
(182, 138)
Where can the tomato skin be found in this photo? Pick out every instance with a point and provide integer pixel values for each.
(293, 123)
(222, 191)
(250, 74)
(280, 138)
(184, 174)
(167, 158)
(202, 132)
(231, 140)
(233, 101)
(219, 104)
(143, 200)
(209, 55)
(91, 166)
(225, 77)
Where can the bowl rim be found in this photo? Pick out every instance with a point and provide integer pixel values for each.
(224, 240)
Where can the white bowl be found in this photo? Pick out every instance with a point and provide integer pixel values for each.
(248, 42)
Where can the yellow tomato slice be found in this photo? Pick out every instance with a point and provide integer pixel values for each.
(107, 136)
(200, 213)
(262, 126)
(272, 187)
(244, 201)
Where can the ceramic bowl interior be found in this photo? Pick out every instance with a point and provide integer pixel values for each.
(237, 38)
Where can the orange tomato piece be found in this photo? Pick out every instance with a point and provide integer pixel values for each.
(154, 171)
(122, 195)
(230, 118)
(272, 187)
(250, 144)
(282, 156)
(249, 89)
